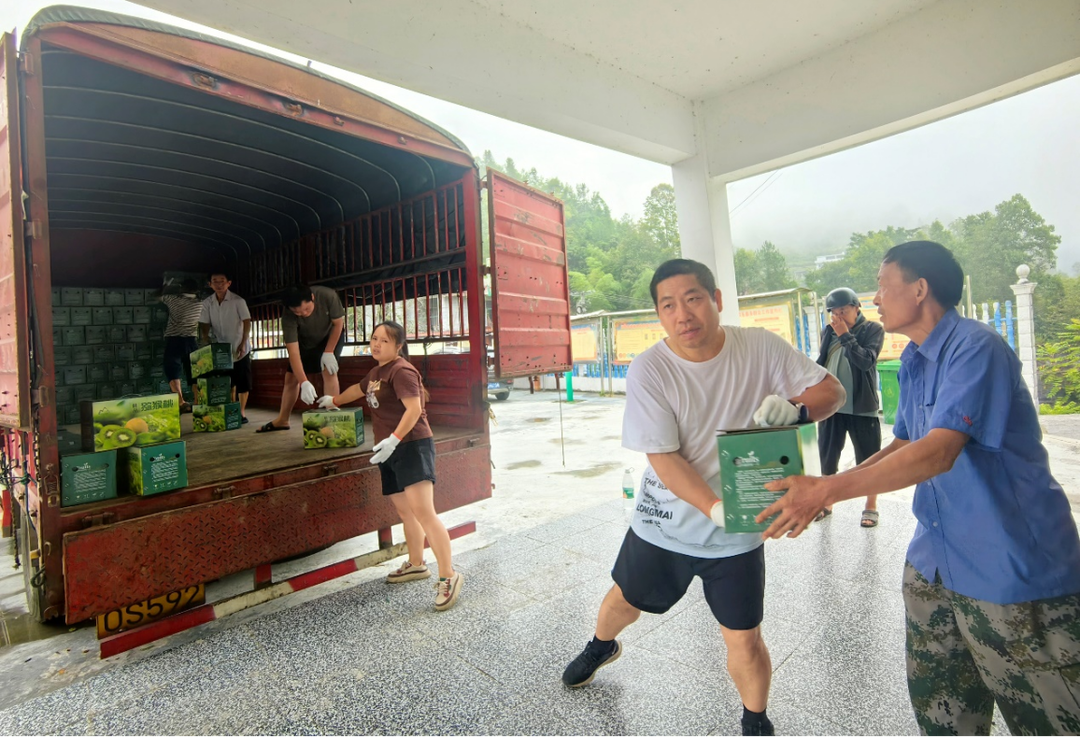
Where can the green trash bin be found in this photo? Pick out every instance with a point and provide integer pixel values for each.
(889, 373)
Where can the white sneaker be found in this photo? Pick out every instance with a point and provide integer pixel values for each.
(446, 591)
(409, 572)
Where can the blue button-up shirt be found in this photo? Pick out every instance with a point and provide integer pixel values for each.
(997, 526)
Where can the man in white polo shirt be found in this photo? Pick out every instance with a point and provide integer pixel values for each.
(226, 316)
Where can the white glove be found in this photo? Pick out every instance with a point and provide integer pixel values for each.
(307, 393)
(327, 402)
(716, 514)
(384, 448)
(329, 363)
(776, 411)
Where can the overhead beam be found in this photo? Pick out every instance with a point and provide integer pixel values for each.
(953, 56)
(466, 54)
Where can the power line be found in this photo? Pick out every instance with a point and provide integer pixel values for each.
(770, 180)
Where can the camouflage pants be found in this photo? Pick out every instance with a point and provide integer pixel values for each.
(964, 654)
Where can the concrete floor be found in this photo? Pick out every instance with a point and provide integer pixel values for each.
(357, 656)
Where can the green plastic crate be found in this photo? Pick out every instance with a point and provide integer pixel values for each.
(87, 477)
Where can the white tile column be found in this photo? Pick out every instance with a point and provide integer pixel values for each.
(1025, 329)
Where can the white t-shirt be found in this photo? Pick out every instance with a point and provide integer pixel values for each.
(226, 320)
(674, 404)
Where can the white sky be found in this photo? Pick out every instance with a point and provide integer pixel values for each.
(1027, 144)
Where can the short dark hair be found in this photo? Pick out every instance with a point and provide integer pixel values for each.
(219, 272)
(678, 267)
(189, 285)
(933, 262)
(297, 295)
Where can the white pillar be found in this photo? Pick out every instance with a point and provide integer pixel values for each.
(705, 227)
(1025, 329)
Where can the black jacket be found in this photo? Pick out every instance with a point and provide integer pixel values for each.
(862, 344)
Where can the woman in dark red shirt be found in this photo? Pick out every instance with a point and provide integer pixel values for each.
(405, 452)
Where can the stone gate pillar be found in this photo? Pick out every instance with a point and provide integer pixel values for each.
(1025, 329)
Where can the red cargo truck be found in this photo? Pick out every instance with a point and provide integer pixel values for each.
(130, 149)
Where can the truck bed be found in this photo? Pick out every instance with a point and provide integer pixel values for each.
(214, 458)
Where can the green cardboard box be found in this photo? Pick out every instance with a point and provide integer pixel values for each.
(93, 297)
(88, 477)
(97, 373)
(136, 371)
(87, 392)
(146, 386)
(141, 314)
(125, 352)
(58, 336)
(115, 334)
(210, 358)
(126, 389)
(134, 297)
(342, 428)
(157, 468)
(74, 336)
(114, 297)
(69, 443)
(138, 421)
(71, 415)
(213, 390)
(56, 297)
(82, 316)
(215, 417)
(144, 352)
(64, 395)
(71, 297)
(61, 317)
(81, 355)
(61, 356)
(104, 355)
(136, 333)
(103, 315)
(106, 391)
(95, 334)
(74, 375)
(123, 315)
(151, 295)
(751, 458)
(118, 373)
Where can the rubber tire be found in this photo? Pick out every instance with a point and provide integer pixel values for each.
(502, 396)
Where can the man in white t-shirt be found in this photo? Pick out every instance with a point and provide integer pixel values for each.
(225, 314)
(703, 378)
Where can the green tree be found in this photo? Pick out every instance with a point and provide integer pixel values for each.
(991, 245)
(763, 270)
(1059, 371)
(661, 221)
(748, 278)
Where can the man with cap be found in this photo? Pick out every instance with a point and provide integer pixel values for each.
(850, 345)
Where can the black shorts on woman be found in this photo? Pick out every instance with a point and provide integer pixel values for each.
(410, 464)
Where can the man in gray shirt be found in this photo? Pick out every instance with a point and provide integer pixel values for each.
(313, 328)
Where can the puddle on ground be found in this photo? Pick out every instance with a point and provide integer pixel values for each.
(521, 464)
(538, 419)
(18, 628)
(588, 473)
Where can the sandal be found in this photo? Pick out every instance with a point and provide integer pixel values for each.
(271, 427)
(825, 512)
(869, 518)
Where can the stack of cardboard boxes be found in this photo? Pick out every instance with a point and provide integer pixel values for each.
(131, 444)
(214, 410)
(107, 344)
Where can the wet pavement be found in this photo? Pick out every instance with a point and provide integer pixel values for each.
(357, 656)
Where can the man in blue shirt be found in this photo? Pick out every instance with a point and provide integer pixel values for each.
(992, 580)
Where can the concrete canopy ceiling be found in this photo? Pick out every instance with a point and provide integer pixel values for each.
(748, 84)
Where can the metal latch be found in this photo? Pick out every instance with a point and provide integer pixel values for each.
(330, 469)
(223, 492)
(52, 491)
(97, 520)
(203, 80)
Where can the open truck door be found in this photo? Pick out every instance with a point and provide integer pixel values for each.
(530, 288)
(14, 357)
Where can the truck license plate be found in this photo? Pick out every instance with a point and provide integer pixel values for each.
(149, 611)
(493, 386)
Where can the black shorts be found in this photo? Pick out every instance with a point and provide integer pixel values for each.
(653, 580)
(410, 464)
(177, 359)
(241, 374)
(311, 358)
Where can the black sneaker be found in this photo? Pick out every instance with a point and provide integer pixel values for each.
(762, 727)
(581, 672)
